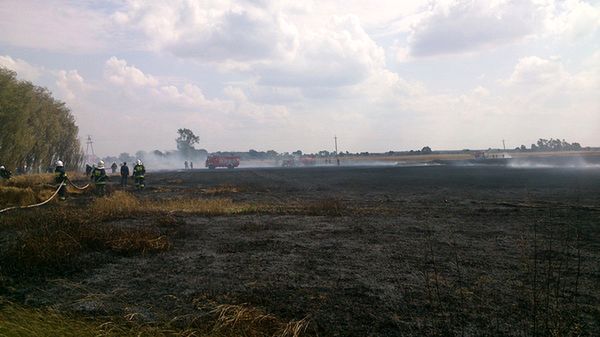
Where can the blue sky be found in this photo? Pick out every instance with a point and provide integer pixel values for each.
(288, 75)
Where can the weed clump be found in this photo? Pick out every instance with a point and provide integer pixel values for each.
(10, 195)
(20, 321)
(118, 203)
(59, 243)
(250, 321)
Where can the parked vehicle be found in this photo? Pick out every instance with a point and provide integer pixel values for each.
(212, 162)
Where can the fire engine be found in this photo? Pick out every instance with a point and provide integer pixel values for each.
(305, 160)
(215, 161)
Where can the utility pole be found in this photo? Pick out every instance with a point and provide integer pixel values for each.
(336, 151)
(503, 145)
(89, 146)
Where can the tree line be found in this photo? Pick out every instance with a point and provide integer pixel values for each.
(37, 129)
(551, 145)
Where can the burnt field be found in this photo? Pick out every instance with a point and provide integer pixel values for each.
(361, 251)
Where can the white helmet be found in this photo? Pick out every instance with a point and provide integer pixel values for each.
(139, 162)
(59, 163)
(2, 167)
(101, 164)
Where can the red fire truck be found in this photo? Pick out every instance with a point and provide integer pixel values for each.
(214, 161)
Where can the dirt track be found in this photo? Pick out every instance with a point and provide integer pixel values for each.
(422, 250)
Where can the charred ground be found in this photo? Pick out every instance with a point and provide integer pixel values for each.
(350, 251)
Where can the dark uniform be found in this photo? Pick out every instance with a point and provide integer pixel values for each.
(88, 169)
(99, 178)
(138, 174)
(5, 173)
(124, 174)
(59, 178)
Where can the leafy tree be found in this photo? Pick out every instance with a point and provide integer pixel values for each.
(186, 141)
(37, 129)
(125, 157)
(426, 150)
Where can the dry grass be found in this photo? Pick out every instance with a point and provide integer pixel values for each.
(116, 204)
(30, 180)
(249, 321)
(221, 189)
(57, 242)
(231, 320)
(20, 321)
(27, 189)
(10, 195)
(121, 204)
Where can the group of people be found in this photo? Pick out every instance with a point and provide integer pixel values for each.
(99, 177)
(97, 174)
(190, 166)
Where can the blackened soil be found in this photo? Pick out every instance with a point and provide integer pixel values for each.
(454, 251)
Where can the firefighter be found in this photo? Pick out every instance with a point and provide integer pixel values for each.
(113, 167)
(185, 164)
(138, 174)
(100, 178)
(5, 173)
(60, 178)
(88, 169)
(191, 166)
(124, 174)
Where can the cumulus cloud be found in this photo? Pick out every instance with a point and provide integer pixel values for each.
(213, 32)
(572, 20)
(464, 25)
(128, 103)
(70, 84)
(537, 71)
(271, 42)
(117, 71)
(23, 69)
(340, 54)
(53, 25)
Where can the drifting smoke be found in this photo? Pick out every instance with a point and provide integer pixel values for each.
(173, 161)
(555, 162)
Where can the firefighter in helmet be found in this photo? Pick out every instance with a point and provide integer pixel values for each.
(61, 178)
(4, 173)
(100, 178)
(138, 174)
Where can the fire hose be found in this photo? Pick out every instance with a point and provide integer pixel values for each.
(51, 197)
(35, 205)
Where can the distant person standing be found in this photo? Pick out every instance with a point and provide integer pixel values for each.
(61, 178)
(186, 164)
(100, 178)
(191, 166)
(113, 167)
(124, 174)
(138, 174)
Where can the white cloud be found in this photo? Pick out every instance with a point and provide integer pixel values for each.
(53, 25)
(340, 54)
(70, 84)
(211, 32)
(537, 71)
(23, 69)
(573, 19)
(118, 72)
(465, 25)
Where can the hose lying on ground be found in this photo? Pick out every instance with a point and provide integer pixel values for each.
(35, 205)
(77, 187)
